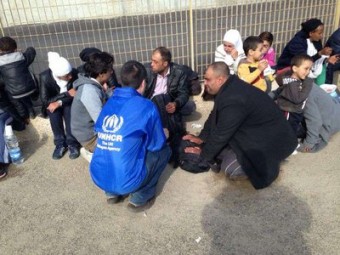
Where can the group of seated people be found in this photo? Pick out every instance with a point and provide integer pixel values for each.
(130, 130)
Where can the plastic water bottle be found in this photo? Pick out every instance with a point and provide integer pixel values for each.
(13, 146)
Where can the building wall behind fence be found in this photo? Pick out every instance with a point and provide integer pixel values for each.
(131, 29)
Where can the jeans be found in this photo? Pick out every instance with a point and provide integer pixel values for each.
(156, 162)
(57, 124)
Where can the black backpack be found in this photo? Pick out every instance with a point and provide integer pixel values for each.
(191, 162)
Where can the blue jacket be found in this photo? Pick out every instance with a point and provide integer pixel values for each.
(334, 42)
(128, 126)
(296, 46)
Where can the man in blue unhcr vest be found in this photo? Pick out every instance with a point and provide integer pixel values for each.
(131, 150)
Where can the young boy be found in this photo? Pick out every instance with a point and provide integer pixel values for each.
(89, 100)
(251, 68)
(295, 86)
(19, 81)
(56, 93)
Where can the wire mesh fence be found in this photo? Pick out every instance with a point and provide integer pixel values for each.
(191, 29)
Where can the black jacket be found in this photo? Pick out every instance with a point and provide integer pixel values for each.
(297, 46)
(50, 91)
(248, 120)
(177, 86)
(14, 72)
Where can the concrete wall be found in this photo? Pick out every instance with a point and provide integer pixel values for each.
(21, 12)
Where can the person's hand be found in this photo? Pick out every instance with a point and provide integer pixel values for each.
(53, 106)
(194, 150)
(326, 51)
(72, 92)
(263, 64)
(170, 107)
(334, 59)
(105, 87)
(234, 53)
(193, 139)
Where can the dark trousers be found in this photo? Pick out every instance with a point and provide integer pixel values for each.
(57, 119)
(24, 106)
(296, 120)
(173, 122)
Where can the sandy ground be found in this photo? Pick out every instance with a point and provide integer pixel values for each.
(52, 207)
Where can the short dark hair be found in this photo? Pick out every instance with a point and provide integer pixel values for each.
(251, 43)
(220, 69)
(297, 60)
(132, 74)
(8, 44)
(267, 36)
(99, 62)
(164, 52)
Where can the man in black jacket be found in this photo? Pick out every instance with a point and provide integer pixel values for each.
(56, 84)
(245, 126)
(167, 87)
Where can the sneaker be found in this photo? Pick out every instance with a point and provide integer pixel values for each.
(86, 154)
(132, 207)
(73, 152)
(112, 199)
(59, 152)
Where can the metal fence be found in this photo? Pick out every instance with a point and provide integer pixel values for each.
(191, 29)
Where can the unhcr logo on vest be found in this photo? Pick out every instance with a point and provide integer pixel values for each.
(112, 124)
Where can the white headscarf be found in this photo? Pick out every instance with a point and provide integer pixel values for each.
(231, 36)
(59, 67)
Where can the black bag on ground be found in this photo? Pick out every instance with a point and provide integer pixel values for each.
(191, 162)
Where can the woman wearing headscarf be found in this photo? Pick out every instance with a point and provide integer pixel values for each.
(306, 41)
(231, 51)
(56, 95)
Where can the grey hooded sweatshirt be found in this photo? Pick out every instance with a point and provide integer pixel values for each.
(86, 106)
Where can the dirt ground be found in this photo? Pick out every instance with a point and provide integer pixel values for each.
(53, 207)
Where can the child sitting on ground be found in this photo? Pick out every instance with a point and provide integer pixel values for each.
(251, 68)
(268, 51)
(19, 81)
(295, 86)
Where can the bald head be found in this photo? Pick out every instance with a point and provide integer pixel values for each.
(215, 76)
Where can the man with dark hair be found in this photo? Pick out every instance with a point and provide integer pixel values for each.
(167, 87)
(85, 55)
(89, 100)
(245, 128)
(131, 151)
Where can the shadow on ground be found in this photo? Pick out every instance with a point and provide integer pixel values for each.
(245, 221)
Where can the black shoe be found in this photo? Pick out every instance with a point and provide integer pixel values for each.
(3, 173)
(32, 114)
(59, 152)
(141, 208)
(74, 152)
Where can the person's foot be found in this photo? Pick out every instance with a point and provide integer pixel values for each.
(237, 174)
(86, 154)
(73, 152)
(3, 173)
(59, 152)
(32, 114)
(113, 199)
(133, 207)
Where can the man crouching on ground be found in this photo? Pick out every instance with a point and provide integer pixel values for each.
(245, 130)
(131, 150)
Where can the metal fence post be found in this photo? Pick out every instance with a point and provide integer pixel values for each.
(192, 47)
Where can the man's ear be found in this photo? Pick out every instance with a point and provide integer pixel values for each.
(294, 69)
